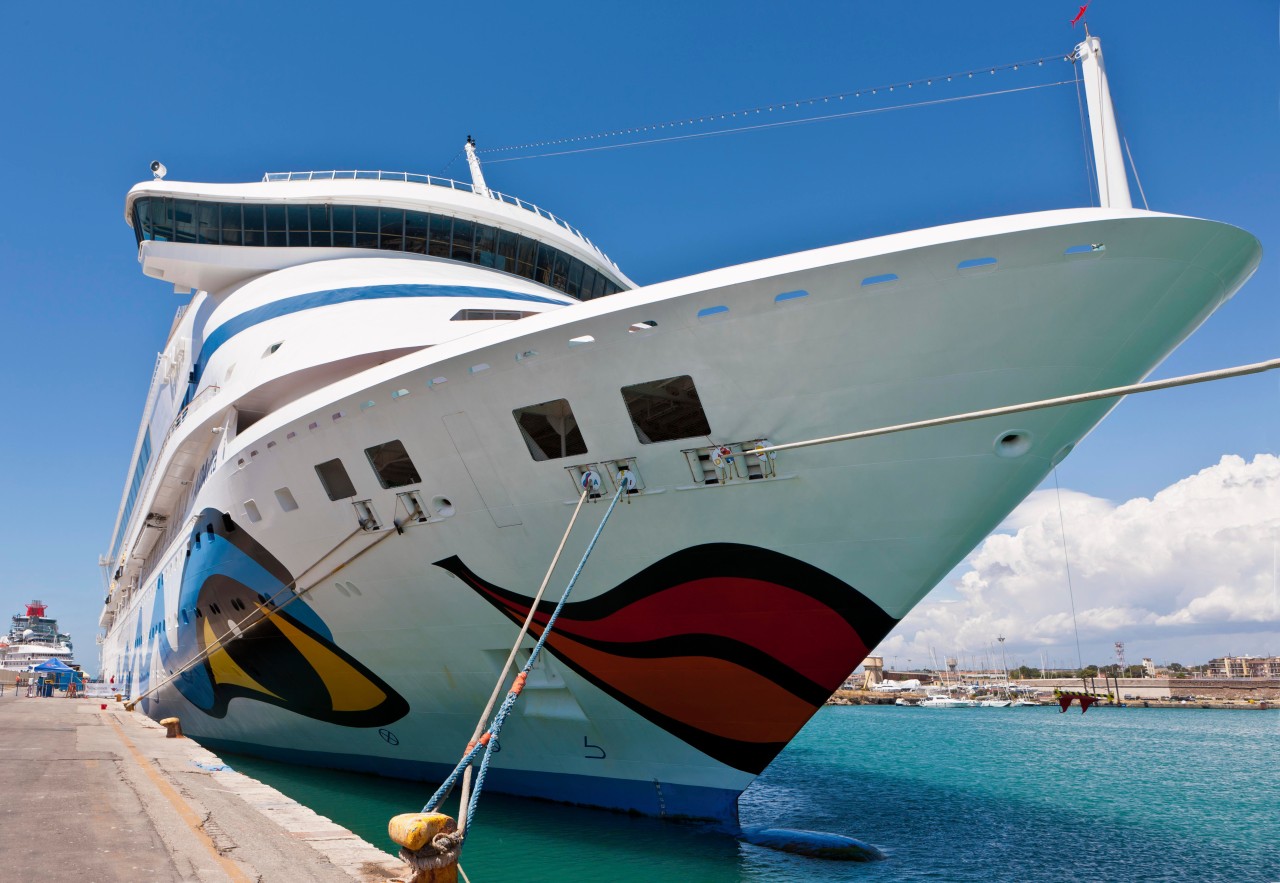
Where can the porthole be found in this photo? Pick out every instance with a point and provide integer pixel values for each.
(442, 506)
(271, 350)
(1013, 443)
(1091, 248)
(880, 279)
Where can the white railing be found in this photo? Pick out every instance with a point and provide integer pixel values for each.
(434, 181)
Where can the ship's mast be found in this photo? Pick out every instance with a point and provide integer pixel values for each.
(1108, 161)
(477, 176)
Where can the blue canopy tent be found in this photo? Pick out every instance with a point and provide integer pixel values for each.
(59, 673)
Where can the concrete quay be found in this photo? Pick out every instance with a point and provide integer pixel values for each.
(103, 795)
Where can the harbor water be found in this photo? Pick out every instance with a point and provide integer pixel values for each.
(1018, 794)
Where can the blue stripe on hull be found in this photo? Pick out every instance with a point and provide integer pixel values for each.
(312, 300)
(627, 795)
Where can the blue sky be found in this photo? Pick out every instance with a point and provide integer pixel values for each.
(231, 90)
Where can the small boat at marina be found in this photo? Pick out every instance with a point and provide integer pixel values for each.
(946, 700)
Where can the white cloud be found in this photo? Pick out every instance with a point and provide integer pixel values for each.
(1191, 566)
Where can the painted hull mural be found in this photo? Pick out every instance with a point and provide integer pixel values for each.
(732, 648)
(235, 600)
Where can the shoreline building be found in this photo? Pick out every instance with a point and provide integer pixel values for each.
(1244, 667)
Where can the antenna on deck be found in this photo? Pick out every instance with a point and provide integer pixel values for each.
(477, 176)
(1108, 161)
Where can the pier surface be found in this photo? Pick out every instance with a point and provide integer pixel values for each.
(102, 795)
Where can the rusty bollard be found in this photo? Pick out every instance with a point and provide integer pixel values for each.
(173, 728)
(427, 844)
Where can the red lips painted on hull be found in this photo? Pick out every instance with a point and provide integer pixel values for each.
(731, 648)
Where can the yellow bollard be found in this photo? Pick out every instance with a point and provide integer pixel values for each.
(419, 836)
(173, 728)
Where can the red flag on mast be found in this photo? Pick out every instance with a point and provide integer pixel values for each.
(1079, 15)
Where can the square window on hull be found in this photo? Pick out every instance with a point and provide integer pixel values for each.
(664, 410)
(334, 479)
(550, 430)
(392, 464)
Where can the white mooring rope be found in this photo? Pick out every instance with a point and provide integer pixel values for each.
(1078, 398)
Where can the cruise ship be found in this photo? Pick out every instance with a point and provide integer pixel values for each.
(372, 418)
(34, 638)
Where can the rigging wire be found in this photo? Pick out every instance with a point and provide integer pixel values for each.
(713, 118)
(1133, 166)
(1066, 560)
(759, 126)
(1089, 175)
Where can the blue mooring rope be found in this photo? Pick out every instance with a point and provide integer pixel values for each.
(503, 710)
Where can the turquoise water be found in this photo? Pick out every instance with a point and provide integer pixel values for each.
(1023, 794)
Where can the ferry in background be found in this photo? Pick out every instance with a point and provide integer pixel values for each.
(34, 638)
(370, 423)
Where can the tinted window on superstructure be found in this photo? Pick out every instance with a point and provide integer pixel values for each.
(297, 225)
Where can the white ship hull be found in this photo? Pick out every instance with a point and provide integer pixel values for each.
(713, 619)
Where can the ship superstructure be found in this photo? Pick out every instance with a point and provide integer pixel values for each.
(34, 638)
(371, 421)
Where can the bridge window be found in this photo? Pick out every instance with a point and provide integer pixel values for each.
(441, 236)
(321, 226)
(232, 224)
(277, 232)
(366, 227)
(415, 232)
(255, 229)
(391, 229)
(296, 225)
(463, 237)
(344, 226)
